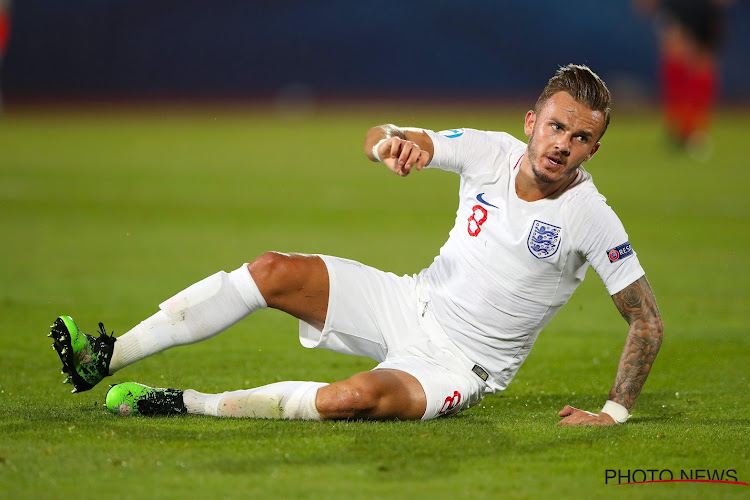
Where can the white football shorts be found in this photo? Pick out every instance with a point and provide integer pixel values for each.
(387, 318)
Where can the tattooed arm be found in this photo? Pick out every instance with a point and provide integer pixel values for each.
(637, 305)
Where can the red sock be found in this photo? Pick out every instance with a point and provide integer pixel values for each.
(703, 84)
(674, 86)
(4, 30)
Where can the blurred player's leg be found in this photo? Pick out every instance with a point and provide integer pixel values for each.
(703, 81)
(690, 37)
(4, 36)
(674, 73)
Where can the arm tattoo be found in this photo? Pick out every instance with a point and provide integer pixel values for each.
(637, 305)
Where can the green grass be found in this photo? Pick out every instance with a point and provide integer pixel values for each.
(104, 215)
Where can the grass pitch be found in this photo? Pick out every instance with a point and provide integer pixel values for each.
(103, 216)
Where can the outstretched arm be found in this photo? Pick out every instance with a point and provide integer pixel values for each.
(400, 148)
(637, 305)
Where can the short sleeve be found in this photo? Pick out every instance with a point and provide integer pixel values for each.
(466, 151)
(602, 240)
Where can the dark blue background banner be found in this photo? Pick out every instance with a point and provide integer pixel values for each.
(335, 47)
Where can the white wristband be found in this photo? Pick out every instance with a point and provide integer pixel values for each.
(615, 410)
(375, 149)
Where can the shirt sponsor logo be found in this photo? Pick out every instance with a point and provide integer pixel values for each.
(620, 252)
(452, 133)
(544, 239)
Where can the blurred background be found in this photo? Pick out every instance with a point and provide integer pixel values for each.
(300, 51)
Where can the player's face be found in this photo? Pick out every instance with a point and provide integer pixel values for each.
(562, 135)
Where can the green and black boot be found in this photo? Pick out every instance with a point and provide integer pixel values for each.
(131, 398)
(85, 358)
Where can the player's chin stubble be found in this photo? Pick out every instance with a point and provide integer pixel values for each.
(533, 159)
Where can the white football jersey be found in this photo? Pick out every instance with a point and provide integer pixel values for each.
(509, 265)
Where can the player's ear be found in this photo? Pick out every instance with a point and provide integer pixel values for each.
(528, 124)
(593, 150)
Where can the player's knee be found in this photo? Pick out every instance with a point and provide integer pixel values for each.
(274, 273)
(352, 398)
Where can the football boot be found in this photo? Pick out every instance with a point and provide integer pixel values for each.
(131, 398)
(85, 358)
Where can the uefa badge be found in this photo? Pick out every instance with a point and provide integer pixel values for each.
(544, 239)
(452, 133)
(620, 252)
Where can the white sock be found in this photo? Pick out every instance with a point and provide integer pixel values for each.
(282, 400)
(197, 313)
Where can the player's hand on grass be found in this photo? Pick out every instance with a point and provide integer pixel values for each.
(401, 156)
(574, 416)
